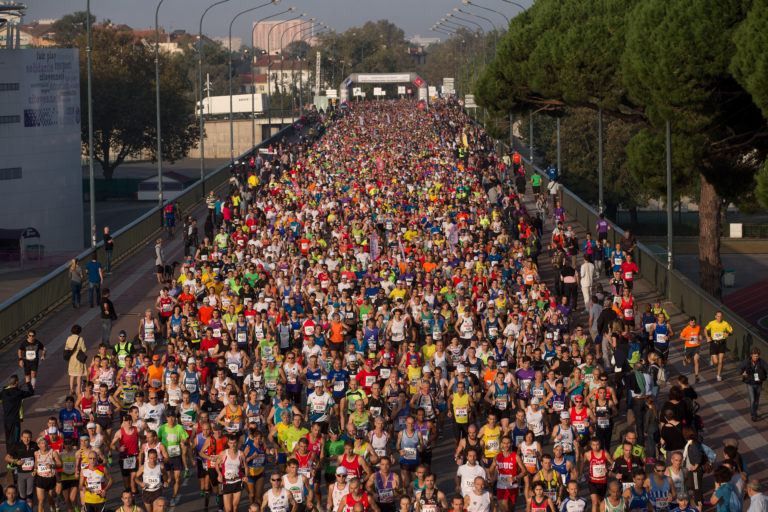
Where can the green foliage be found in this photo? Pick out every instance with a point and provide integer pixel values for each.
(124, 121)
(750, 61)
(69, 27)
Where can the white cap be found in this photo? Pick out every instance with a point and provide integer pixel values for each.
(535, 400)
(341, 470)
(461, 368)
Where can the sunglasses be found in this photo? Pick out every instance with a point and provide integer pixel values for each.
(277, 479)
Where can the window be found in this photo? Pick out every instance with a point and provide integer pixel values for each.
(11, 173)
(13, 86)
(10, 119)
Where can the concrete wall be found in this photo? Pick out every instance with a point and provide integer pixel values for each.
(217, 136)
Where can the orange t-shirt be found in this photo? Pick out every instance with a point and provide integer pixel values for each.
(691, 336)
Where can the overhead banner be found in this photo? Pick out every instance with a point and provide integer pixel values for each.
(387, 78)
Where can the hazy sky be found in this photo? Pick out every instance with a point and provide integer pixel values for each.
(413, 16)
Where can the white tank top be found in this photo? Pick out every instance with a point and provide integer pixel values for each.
(296, 488)
(232, 467)
(379, 444)
(398, 330)
(153, 477)
(278, 503)
(480, 503)
(338, 493)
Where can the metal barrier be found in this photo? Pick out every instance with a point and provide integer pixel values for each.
(29, 306)
(678, 289)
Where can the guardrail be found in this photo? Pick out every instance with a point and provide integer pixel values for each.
(677, 288)
(29, 306)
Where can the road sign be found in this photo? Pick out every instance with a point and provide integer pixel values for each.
(332, 93)
(470, 101)
(419, 82)
(378, 91)
(400, 89)
(357, 91)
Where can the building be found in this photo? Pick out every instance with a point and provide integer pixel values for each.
(283, 32)
(292, 72)
(40, 170)
(423, 42)
(237, 42)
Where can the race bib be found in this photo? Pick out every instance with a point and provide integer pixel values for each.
(628, 313)
(338, 385)
(174, 450)
(462, 412)
(409, 453)
(27, 464)
(102, 410)
(69, 467)
(492, 445)
(529, 460)
(717, 336)
(627, 275)
(155, 383)
(233, 367)
(217, 333)
(242, 337)
(598, 470)
(603, 422)
(31, 355)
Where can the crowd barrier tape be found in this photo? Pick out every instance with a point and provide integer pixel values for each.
(28, 307)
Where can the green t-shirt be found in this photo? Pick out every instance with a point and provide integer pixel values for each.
(291, 437)
(536, 180)
(332, 450)
(172, 437)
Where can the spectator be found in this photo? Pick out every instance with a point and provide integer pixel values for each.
(758, 502)
(76, 277)
(159, 260)
(694, 458)
(753, 372)
(721, 496)
(109, 246)
(77, 370)
(95, 280)
(12, 397)
(108, 315)
(628, 243)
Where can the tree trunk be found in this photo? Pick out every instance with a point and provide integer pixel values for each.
(710, 230)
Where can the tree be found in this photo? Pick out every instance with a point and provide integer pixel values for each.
(679, 74)
(69, 27)
(124, 120)
(296, 50)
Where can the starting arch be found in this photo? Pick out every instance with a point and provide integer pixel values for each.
(384, 78)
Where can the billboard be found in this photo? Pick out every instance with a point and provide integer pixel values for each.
(40, 140)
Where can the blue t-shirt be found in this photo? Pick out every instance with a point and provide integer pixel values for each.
(93, 271)
(724, 494)
(19, 506)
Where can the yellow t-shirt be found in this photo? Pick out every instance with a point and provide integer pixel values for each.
(719, 330)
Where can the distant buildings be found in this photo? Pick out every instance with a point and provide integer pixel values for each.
(283, 32)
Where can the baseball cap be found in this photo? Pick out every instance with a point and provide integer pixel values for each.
(369, 361)
(461, 368)
(341, 470)
(426, 369)
(504, 364)
(91, 425)
(536, 400)
(565, 415)
(122, 333)
(318, 383)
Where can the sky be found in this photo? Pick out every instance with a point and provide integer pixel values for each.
(413, 16)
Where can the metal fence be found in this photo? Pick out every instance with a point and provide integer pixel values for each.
(28, 307)
(677, 288)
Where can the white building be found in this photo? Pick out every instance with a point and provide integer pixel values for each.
(41, 175)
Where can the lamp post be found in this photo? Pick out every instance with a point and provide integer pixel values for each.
(468, 2)
(200, 94)
(231, 124)
(516, 4)
(269, 70)
(253, 81)
(303, 34)
(495, 41)
(311, 22)
(91, 177)
(157, 97)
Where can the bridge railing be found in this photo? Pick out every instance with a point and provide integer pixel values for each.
(677, 288)
(29, 306)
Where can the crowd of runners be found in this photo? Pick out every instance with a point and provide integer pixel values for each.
(366, 298)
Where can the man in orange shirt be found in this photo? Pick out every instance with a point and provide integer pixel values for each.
(205, 313)
(691, 335)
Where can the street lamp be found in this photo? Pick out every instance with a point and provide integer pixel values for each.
(311, 22)
(269, 70)
(253, 80)
(91, 177)
(157, 95)
(467, 2)
(307, 32)
(231, 126)
(515, 4)
(200, 94)
(479, 26)
(486, 19)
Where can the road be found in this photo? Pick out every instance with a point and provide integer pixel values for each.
(133, 285)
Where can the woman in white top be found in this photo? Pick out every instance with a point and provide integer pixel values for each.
(230, 465)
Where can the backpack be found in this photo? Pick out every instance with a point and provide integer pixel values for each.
(169, 209)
